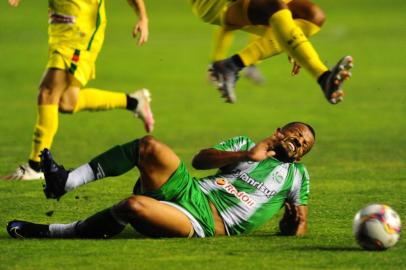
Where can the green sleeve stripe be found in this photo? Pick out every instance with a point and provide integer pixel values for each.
(98, 22)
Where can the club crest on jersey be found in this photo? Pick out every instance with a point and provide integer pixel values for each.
(241, 195)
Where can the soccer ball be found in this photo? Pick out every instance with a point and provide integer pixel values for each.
(376, 227)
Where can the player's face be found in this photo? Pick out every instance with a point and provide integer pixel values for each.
(297, 142)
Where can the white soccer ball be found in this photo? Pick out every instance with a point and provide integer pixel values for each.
(376, 227)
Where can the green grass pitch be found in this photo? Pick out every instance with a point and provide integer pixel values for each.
(359, 157)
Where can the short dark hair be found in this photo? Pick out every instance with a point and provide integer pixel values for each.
(301, 123)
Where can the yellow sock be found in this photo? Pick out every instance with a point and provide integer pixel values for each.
(94, 99)
(44, 130)
(308, 28)
(259, 48)
(294, 42)
(222, 40)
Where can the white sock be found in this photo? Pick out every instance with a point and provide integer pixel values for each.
(79, 176)
(62, 230)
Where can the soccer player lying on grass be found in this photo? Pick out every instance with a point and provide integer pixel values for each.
(283, 26)
(252, 183)
(75, 37)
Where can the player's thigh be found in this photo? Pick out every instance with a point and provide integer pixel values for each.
(53, 84)
(157, 163)
(252, 12)
(154, 218)
(236, 15)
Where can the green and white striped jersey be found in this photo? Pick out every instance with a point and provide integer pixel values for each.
(248, 194)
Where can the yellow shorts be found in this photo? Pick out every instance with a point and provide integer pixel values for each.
(76, 33)
(213, 11)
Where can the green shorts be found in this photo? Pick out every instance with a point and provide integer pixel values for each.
(184, 190)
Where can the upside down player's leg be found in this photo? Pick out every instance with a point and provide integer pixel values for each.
(306, 16)
(294, 42)
(222, 41)
(288, 37)
(268, 46)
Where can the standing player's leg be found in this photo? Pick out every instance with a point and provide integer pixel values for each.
(60, 91)
(52, 86)
(68, 69)
(92, 99)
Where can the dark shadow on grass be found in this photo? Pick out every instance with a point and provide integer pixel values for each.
(326, 248)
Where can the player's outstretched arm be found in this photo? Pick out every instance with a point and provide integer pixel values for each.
(141, 26)
(14, 3)
(294, 220)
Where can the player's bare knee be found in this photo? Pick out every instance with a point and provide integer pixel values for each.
(136, 206)
(47, 95)
(315, 15)
(303, 9)
(149, 146)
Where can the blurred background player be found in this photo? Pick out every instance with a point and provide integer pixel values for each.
(222, 42)
(284, 26)
(76, 33)
(252, 183)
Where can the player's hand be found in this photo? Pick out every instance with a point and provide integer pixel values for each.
(14, 3)
(265, 148)
(141, 29)
(295, 68)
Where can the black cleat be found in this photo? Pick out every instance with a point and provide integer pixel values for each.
(225, 74)
(332, 80)
(55, 176)
(23, 229)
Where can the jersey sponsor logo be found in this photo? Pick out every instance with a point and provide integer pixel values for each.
(256, 184)
(229, 188)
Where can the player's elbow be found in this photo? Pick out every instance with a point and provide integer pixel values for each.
(197, 161)
(201, 161)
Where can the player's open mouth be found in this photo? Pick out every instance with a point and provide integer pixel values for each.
(291, 146)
